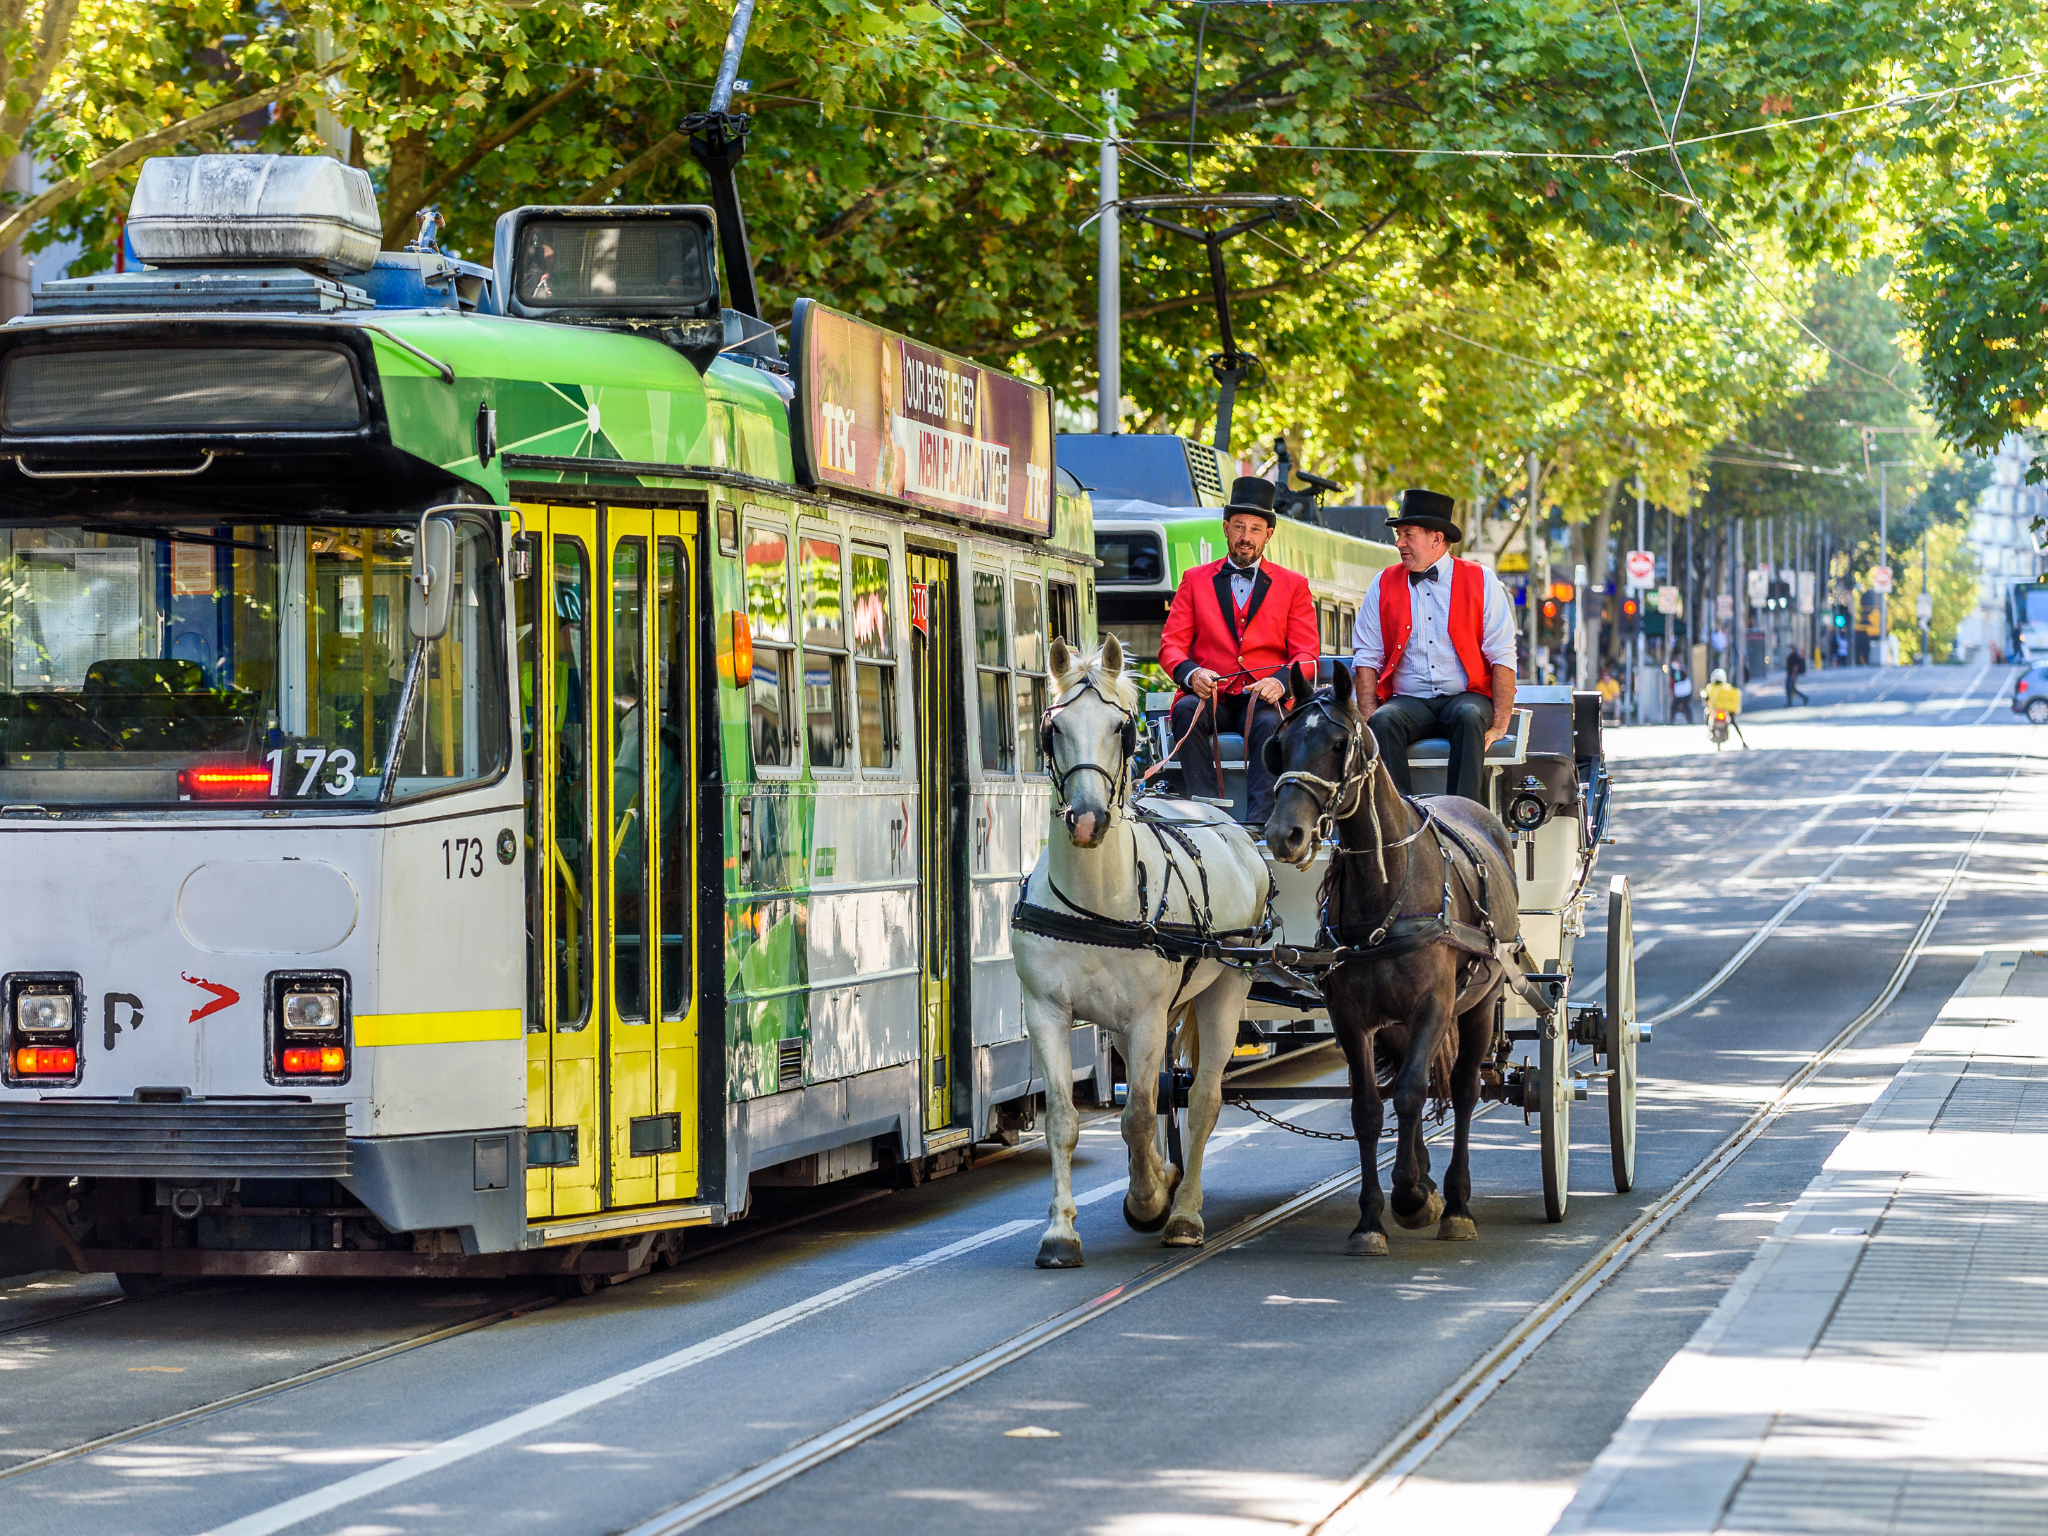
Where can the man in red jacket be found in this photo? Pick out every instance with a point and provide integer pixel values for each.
(1234, 626)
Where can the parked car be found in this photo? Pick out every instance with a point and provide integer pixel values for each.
(2030, 695)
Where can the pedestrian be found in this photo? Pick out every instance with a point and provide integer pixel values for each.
(1681, 691)
(1231, 632)
(1434, 646)
(1610, 695)
(1795, 666)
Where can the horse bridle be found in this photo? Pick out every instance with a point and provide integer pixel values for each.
(1327, 794)
(1119, 781)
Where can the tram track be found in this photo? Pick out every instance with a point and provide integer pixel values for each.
(1424, 1434)
(1416, 1441)
(745, 1487)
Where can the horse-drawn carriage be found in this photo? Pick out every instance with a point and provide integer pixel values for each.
(1435, 933)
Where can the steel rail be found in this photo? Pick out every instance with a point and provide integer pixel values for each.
(271, 1389)
(1423, 1435)
(731, 1493)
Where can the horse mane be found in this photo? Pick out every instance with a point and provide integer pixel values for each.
(1120, 688)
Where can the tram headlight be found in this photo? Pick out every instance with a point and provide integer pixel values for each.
(308, 1025)
(43, 1011)
(312, 1013)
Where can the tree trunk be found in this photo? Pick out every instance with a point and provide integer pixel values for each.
(407, 179)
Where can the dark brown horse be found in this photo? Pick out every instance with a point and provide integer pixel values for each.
(1421, 903)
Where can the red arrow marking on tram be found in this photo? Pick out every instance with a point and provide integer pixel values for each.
(223, 997)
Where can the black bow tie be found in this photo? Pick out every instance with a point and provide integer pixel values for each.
(1417, 578)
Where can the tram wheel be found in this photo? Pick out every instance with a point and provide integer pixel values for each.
(1554, 1115)
(569, 1287)
(1619, 1046)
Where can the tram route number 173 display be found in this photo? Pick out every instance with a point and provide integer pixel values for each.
(315, 760)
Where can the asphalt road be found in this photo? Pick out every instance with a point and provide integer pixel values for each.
(1237, 1397)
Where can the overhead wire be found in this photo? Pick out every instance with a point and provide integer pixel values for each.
(1678, 164)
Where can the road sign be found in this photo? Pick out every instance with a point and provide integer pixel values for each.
(1881, 579)
(1724, 605)
(1671, 601)
(1758, 585)
(1806, 591)
(1642, 568)
(1925, 604)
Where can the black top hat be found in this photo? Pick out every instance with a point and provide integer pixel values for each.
(1428, 509)
(1249, 493)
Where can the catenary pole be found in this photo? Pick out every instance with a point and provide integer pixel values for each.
(1109, 381)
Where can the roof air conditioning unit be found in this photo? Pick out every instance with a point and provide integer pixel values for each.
(241, 210)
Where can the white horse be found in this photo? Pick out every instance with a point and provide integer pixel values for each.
(1089, 878)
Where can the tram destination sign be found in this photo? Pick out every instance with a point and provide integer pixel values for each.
(883, 415)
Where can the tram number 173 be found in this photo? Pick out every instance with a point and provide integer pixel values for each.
(462, 858)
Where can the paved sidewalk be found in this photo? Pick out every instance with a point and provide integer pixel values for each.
(1882, 1365)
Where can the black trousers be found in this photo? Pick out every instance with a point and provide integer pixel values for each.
(1682, 706)
(1198, 754)
(1463, 718)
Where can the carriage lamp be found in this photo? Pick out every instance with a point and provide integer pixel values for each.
(1527, 810)
(42, 1015)
(309, 1018)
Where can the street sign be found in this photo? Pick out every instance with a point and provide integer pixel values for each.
(1724, 605)
(1759, 586)
(1881, 579)
(1806, 591)
(1671, 601)
(1925, 604)
(1642, 568)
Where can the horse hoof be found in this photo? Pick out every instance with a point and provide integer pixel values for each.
(1426, 1216)
(1060, 1253)
(1147, 1223)
(1457, 1229)
(1183, 1232)
(1366, 1245)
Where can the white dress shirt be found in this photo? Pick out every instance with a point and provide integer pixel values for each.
(1430, 667)
(1242, 578)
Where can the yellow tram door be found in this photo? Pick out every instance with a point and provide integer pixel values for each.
(649, 797)
(558, 608)
(935, 687)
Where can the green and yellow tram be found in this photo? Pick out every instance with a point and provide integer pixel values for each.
(497, 761)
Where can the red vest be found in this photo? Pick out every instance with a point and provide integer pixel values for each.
(1468, 625)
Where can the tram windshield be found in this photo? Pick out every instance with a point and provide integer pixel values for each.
(177, 665)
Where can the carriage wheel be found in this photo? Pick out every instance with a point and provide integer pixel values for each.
(1554, 1114)
(1619, 1046)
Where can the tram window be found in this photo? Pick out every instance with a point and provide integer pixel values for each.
(1066, 613)
(771, 708)
(1347, 621)
(628, 692)
(127, 388)
(992, 677)
(1130, 557)
(1029, 682)
(570, 785)
(874, 649)
(824, 653)
(242, 662)
(678, 847)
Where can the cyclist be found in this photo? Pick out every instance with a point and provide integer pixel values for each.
(1724, 698)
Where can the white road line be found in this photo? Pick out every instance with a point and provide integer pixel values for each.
(1595, 990)
(1969, 688)
(1777, 918)
(1999, 696)
(321, 1501)
(486, 1437)
(1834, 804)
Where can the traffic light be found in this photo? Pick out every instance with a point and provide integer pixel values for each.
(1631, 616)
(1778, 596)
(1841, 618)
